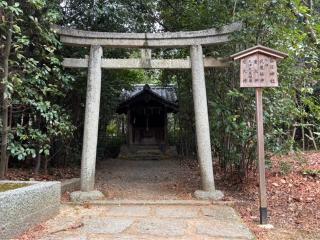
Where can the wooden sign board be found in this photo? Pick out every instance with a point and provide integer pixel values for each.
(258, 67)
(258, 70)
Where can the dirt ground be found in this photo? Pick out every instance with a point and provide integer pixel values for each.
(146, 180)
(293, 188)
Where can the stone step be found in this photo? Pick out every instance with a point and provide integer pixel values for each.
(148, 152)
(146, 155)
(145, 152)
(145, 159)
(147, 147)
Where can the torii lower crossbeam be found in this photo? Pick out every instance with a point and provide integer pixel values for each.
(112, 63)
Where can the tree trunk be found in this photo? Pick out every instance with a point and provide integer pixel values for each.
(5, 102)
(46, 161)
(38, 164)
(311, 4)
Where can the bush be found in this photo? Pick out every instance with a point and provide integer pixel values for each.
(285, 168)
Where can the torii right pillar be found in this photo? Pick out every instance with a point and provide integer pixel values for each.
(208, 190)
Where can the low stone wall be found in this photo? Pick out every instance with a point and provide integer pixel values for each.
(23, 208)
(70, 185)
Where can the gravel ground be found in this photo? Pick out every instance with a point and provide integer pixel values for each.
(147, 180)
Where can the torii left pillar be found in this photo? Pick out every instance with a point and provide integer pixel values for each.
(208, 190)
(90, 135)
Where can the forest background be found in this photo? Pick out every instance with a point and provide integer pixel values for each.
(43, 104)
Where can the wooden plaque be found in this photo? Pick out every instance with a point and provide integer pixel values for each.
(258, 70)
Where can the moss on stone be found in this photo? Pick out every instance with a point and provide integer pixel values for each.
(10, 186)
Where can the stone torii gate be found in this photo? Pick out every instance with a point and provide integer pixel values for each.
(193, 40)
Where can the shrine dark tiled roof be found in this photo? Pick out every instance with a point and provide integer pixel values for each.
(167, 93)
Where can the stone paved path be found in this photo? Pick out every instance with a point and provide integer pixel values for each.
(146, 222)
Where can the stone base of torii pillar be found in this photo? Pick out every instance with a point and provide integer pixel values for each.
(80, 196)
(209, 195)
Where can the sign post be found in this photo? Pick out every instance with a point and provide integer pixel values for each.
(258, 69)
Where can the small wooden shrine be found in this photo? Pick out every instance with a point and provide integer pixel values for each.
(147, 107)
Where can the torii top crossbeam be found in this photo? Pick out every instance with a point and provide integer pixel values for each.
(146, 40)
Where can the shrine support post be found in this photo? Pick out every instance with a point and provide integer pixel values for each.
(262, 177)
(90, 135)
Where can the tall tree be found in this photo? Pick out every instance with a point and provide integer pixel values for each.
(34, 81)
(9, 12)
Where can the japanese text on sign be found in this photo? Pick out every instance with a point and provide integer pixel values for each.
(258, 70)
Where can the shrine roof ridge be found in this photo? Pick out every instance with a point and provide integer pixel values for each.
(259, 49)
(167, 92)
(166, 95)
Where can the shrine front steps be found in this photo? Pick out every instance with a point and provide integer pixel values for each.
(143, 153)
(146, 153)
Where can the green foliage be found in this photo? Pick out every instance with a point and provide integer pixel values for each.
(312, 172)
(276, 24)
(112, 146)
(36, 79)
(47, 102)
(285, 167)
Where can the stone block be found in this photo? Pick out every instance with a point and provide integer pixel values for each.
(129, 211)
(162, 228)
(209, 195)
(105, 225)
(23, 208)
(177, 212)
(65, 236)
(80, 196)
(70, 185)
(223, 213)
(223, 230)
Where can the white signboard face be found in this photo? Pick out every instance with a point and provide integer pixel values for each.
(258, 70)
